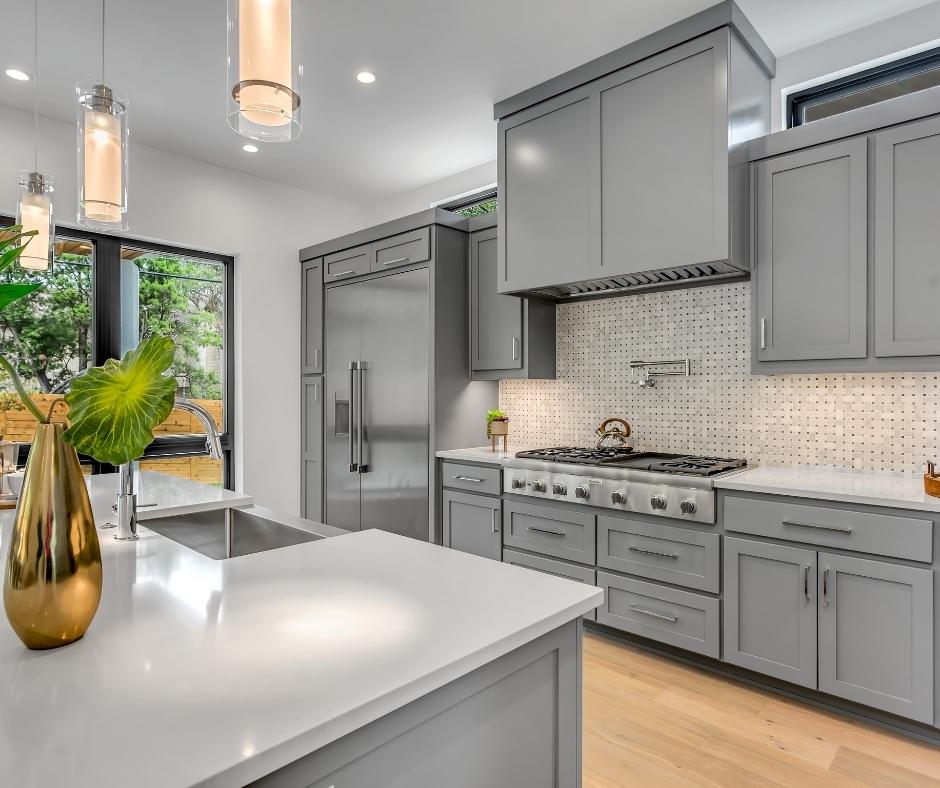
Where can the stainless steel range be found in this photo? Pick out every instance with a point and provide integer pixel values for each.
(669, 485)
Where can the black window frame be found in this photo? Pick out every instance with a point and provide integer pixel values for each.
(106, 335)
(471, 200)
(883, 74)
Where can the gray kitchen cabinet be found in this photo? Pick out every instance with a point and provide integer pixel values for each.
(811, 225)
(510, 337)
(548, 174)
(907, 237)
(552, 566)
(347, 263)
(311, 338)
(876, 634)
(311, 485)
(403, 249)
(471, 524)
(770, 609)
(550, 530)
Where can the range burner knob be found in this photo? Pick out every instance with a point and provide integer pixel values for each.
(658, 502)
(560, 489)
(581, 491)
(539, 486)
(687, 506)
(517, 483)
(618, 496)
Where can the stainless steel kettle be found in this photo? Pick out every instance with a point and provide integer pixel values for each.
(613, 434)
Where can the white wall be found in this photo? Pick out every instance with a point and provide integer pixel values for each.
(192, 204)
(915, 29)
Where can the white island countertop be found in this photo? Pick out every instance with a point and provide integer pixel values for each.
(197, 671)
(862, 487)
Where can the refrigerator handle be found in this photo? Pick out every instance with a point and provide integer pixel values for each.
(353, 466)
(360, 421)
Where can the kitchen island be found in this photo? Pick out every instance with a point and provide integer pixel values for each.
(364, 659)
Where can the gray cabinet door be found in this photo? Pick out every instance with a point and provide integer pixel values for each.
(770, 610)
(907, 239)
(812, 254)
(547, 192)
(312, 317)
(876, 634)
(472, 524)
(495, 319)
(664, 159)
(311, 459)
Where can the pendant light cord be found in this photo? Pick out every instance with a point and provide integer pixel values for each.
(102, 41)
(36, 85)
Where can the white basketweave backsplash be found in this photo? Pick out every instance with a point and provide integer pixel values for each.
(883, 422)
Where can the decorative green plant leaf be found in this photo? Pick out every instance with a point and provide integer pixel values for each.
(14, 291)
(12, 244)
(114, 407)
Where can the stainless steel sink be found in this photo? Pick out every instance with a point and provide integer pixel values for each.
(228, 533)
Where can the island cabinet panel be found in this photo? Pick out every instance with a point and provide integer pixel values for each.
(770, 610)
(658, 552)
(812, 254)
(312, 317)
(876, 634)
(471, 524)
(311, 490)
(513, 722)
(547, 193)
(550, 530)
(664, 159)
(907, 237)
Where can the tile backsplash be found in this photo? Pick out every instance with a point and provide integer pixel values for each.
(872, 421)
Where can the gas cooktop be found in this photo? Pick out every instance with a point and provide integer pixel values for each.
(655, 462)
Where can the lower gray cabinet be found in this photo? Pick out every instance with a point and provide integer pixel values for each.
(550, 530)
(770, 610)
(471, 524)
(876, 634)
(551, 566)
(311, 450)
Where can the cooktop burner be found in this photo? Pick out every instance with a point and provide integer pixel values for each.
(627, 458)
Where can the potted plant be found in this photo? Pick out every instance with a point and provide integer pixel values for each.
(497, 424)
(52, 579)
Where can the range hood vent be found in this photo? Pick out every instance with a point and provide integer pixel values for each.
(681, 276)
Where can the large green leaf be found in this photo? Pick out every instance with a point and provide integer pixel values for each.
(12, 244)
(114, 407)
(14, 291)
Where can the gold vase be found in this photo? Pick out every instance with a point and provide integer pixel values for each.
(52, 582)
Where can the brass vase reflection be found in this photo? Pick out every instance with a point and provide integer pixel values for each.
(52, 582)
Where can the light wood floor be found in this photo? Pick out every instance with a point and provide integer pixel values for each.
(649, 721)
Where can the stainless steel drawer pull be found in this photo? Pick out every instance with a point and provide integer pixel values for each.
(654, 614)
(469, 479)
(515, 348)
(658, 554)
(495, 525)
(398, 260)
(806, 583)
(546, 531)
(763, 333)
(342, 273)
(826, 587)
(799, 524)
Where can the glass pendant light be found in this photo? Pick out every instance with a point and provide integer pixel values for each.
(264, 69)
(102, 151)
(34, 203)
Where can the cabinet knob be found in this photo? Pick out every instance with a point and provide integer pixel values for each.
(618, 496)
(658, 502)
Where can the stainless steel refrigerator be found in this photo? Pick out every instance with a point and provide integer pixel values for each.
(377, 440)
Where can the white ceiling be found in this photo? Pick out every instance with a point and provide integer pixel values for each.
(441, 64)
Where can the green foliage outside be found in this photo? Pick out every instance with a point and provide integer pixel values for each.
(475, 210)
(48, 337)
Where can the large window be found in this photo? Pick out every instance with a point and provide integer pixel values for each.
(101, 296)
(887, 81)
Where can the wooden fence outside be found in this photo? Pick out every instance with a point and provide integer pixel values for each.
(17, 424)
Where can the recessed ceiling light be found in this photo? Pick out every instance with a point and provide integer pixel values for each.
(366, 77)
(19, 76)
(250, 148)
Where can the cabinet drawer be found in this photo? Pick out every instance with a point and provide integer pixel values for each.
(477, 478)
(342, 265)
(404, 249)
(679, 618)
(878, 534)
(552, 566)
(673, 555)
(550, 531)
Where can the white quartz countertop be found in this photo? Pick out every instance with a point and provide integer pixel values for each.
(159, 495)
(869, 488)
(204, 672)
(480, 454)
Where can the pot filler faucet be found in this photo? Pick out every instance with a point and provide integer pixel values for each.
(126, 506)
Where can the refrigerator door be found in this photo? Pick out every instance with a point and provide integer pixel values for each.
(343, 348)
(395, 387)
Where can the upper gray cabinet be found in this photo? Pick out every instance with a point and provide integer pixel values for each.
(629, 180)
(510, 337)
(907, 240)
(812, 260)
(312, 317)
